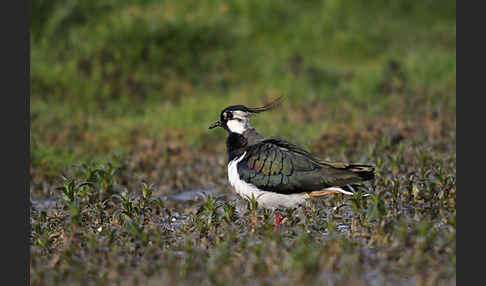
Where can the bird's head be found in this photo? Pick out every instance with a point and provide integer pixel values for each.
(236, 118)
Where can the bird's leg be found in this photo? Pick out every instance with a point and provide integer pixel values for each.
(278, 219)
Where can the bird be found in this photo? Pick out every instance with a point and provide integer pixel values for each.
(277, 173)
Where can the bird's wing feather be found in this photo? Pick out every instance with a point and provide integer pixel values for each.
(282, 167)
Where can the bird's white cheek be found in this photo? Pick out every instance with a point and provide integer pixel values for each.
(236, 126)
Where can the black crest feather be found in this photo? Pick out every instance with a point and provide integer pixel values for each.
(269, 106)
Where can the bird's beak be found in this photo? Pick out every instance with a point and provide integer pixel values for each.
(215, 124)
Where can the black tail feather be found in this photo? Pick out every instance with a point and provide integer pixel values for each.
(365, 172)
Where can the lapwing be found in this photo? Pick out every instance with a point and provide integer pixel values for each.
(277, 173)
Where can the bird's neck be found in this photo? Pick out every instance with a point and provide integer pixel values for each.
(235, 145)
(252, 136)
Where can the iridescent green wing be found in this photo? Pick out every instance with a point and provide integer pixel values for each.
(278, 168)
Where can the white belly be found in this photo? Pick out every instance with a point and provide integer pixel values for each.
(265, 199)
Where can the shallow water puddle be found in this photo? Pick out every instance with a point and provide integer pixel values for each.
(192, 195)
(44, 204)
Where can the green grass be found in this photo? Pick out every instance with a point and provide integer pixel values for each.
(118, 231)
(134, 85)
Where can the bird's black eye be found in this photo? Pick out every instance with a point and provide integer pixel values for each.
(227, 115)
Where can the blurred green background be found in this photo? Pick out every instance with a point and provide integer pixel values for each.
(106, 75)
